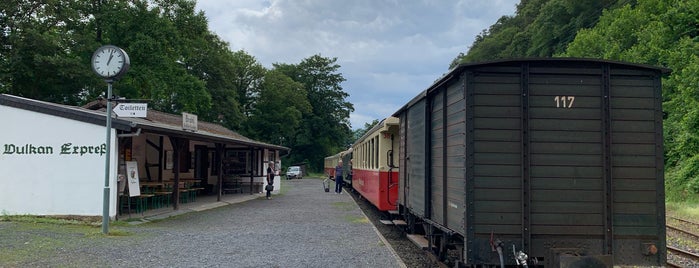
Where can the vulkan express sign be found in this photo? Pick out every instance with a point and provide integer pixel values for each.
(63, 149)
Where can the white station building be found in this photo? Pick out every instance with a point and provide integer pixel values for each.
(52, 158)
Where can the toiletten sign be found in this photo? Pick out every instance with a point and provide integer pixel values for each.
(131, 109)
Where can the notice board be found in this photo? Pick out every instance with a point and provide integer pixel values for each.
(132, 177)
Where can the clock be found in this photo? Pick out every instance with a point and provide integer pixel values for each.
(110, 62)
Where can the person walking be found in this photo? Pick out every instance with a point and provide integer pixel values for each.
(338, 178)
(270, 180)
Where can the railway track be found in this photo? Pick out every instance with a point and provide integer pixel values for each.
(685, 254)
(686, 258)
(685, 221)
(685, 232)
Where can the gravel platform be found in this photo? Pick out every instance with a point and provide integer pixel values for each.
(302, 227)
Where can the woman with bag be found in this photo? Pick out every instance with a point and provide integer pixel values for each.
(270, 180)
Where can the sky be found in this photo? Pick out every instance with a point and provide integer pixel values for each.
(388, 50)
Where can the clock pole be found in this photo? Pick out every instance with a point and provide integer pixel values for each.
(105, 199)
(109, 62)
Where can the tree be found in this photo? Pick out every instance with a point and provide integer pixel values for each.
(358, 133)
(176, 63)
(44, 50)
(47, 47)
(661, 33)
(278, 109)
(326, 129)
(160, 56)
(540, 28)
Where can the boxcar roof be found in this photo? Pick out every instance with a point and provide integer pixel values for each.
(452, 74)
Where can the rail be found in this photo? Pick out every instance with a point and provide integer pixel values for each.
(685, 221)
(679, 230)
(683, 253)
(694, 257)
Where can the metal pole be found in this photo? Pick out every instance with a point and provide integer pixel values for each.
(105, 202)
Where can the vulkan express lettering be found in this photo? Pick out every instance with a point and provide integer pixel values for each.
(68, 148)
(27, 149)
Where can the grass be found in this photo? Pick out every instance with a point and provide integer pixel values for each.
(319, 175)
(343, 206)
(65, 220)
(38, 237)
(356, 219)
(688, 211)
(88, 226)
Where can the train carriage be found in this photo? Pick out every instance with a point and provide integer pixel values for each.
(375, 171)
(560, 160)
(331, 162)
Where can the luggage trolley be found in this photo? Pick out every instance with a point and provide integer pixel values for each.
(326, 185)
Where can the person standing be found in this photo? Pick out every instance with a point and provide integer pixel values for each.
(338, 178)
(270, 180)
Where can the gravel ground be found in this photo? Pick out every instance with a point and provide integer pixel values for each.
(303, 227)
(411, 254)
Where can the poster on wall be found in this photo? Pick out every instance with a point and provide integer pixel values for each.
(168, 159)
(132, 176)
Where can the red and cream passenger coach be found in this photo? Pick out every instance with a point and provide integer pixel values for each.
(375, 173)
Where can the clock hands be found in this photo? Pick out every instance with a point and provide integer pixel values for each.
(102, 62)
(111, 54)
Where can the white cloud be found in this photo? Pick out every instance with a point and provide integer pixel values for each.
(389, 50)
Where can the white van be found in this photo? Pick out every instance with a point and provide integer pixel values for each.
(294, 172)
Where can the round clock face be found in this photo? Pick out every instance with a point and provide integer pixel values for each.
(110, 61)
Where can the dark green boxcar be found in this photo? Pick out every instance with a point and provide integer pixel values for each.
(561, 159)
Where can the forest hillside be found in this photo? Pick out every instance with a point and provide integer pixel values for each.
(663, 33)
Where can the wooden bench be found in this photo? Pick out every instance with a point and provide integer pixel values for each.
(230, 190)
(231, 185)
(256, 187)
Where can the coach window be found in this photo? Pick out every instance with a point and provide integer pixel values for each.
(376, 152)
(364, 156)
(371, 153)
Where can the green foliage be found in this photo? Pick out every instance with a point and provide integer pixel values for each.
(279, 109)
(326, 129)
(661, 33)
(358, 133)
(540, 28)
(45, 58)
(654, 32)
(176, 63)
(682, 182)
